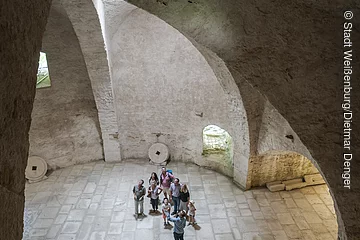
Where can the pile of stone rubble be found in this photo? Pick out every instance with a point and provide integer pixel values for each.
(307, 180)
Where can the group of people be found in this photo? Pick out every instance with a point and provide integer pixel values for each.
(175, 194)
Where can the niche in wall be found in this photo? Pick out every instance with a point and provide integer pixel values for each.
(218, 149)
(279, 166)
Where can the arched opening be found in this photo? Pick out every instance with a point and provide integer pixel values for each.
(290, 174)
(273, 166)
(218, 149)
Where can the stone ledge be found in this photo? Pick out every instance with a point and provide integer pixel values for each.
(295, 186)
(307, 180)
(314, 179)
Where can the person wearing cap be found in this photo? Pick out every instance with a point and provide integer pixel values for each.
(179, 225)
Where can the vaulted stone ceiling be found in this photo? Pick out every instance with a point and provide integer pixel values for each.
(290, 51)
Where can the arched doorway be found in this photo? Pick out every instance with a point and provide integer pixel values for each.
(218, 149)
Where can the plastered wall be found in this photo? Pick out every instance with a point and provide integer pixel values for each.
(165, 90)
(65, 128)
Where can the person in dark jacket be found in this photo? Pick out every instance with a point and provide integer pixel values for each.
(184, 198)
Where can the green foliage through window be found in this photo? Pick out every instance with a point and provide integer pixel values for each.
(43, 78)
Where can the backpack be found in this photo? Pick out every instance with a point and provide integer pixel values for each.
(170, 171)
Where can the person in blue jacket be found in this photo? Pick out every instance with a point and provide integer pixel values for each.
(179, 225)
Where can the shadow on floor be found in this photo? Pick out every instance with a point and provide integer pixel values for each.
(156, 213)
(196, 227)
(168, 226)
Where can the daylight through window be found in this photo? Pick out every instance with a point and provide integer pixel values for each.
(43, 78)
(216, 139)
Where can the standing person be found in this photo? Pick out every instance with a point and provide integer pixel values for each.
(192, 211)
(184, 199)
(175, 194)
(154, 192)
(179, 225)
(139, 192)
(165, 181)
(153, 179)
(166, 208)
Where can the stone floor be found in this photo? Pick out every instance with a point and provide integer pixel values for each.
(94, 201)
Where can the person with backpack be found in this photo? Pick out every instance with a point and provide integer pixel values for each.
(165, 181)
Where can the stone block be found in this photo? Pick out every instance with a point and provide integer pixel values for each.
(314, 179)
(296, 180)
(316, 183)
(276, 187)
(295, 186)
(272, 183)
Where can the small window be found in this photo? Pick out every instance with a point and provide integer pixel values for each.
(43, 78)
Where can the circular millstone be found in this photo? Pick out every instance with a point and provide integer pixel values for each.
(36, 168)
(158, 153)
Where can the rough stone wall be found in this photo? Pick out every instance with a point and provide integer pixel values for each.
(22, 24)
(164, 86)
(65, 127)
(291, 51)
(279, 165)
